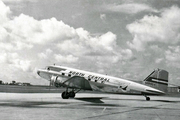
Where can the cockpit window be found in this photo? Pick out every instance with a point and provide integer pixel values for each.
(47, 68)
(55, 69)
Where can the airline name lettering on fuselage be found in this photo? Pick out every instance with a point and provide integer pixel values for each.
(98, 78)
(89, 76)
(77, 74)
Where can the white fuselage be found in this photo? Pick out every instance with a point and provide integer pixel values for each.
(98, 82)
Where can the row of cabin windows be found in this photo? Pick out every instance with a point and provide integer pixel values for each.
(68, 74)
(62, 73)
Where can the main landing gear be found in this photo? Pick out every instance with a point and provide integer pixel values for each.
(66, 95)
(71, 94)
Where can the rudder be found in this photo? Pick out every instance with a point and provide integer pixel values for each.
(158, 79)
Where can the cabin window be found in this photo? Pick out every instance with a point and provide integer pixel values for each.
(89, 79)
(63, 73)
(69, 75)
(95, 80)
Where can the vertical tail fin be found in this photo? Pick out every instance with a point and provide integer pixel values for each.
(158, 79)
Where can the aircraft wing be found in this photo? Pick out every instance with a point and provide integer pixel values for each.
(78, 82)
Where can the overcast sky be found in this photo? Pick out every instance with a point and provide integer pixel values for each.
(122, 38)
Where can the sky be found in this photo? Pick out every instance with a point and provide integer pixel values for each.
(121, 38)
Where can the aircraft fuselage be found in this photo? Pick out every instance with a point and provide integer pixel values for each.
(97, 82)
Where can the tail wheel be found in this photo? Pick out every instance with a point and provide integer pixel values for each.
(148, 98)
(65, 95)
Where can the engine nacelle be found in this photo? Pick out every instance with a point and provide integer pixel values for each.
(57, 84)
(58, 81)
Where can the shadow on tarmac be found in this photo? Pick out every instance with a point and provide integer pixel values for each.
(89, 101)
(29, 104)
(142, 100)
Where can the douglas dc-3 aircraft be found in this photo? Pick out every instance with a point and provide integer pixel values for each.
(155, 84)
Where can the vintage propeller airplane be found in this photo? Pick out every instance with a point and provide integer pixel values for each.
(155, 84)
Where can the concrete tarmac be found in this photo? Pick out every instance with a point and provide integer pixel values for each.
(87, 106)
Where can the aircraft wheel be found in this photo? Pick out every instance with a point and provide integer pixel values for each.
(148, 98)
(65, 95)
(72, 94)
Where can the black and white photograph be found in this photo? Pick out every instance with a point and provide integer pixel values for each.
(90, 59)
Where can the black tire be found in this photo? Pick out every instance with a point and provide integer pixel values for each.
(65, 95)
(72, 94)
(148, 98)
